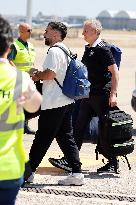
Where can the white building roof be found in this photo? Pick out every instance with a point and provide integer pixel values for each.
(107, 13)
(126, 14)
(117, 14)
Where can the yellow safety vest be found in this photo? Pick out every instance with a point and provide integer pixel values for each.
(12, 152)
(25, 58)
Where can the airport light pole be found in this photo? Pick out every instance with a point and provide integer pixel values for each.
(29, 12)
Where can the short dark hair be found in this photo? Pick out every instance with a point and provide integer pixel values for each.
(59, 26)
(6, 35)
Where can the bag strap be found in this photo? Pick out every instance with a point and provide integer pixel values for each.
(66, 52)
(127, 162)
(58, 83)
(113, 109)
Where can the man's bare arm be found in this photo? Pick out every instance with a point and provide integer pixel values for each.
(114, 84)
(33, 104)
(44, 75)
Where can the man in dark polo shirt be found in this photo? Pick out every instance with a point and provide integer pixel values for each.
(103, 75)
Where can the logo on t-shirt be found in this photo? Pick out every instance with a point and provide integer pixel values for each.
(91, 53)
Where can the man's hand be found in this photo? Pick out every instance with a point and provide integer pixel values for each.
(32, 71)
(36, 76)
(113, 100)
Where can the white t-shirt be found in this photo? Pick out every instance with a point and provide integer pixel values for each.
(56, 60)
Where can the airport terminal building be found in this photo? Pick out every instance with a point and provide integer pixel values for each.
(118, 19)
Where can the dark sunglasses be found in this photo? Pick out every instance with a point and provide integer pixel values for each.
(29, 30)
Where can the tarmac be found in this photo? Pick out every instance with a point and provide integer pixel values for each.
(100, 189)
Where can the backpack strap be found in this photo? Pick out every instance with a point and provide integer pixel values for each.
(127, 162)
(116, 51)
(64, 50)
(58, 83)
(68, 55)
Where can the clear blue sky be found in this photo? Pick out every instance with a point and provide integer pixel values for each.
(87, 8)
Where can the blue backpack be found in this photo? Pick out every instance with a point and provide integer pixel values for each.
(75, 85)
(116, 52)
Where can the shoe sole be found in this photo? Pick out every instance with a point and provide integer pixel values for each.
(106, 172)
(60, 166)
(70, 184)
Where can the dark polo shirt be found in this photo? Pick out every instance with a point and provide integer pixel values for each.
(97, 59)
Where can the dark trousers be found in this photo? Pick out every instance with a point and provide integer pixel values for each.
(95, 105)
(55, 123)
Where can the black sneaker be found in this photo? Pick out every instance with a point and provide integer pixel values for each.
(60, 163)
(110, 167)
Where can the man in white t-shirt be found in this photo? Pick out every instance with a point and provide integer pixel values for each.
(56, 109)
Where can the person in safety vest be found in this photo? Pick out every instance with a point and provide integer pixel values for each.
(22, 56)
(17, 91)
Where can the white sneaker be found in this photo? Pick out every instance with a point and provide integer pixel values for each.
(31, 178)
(76, 179)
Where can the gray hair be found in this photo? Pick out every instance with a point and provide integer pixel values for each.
(96, 24)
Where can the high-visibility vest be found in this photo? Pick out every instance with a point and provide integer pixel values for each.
(12, 152)
(25, 58)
